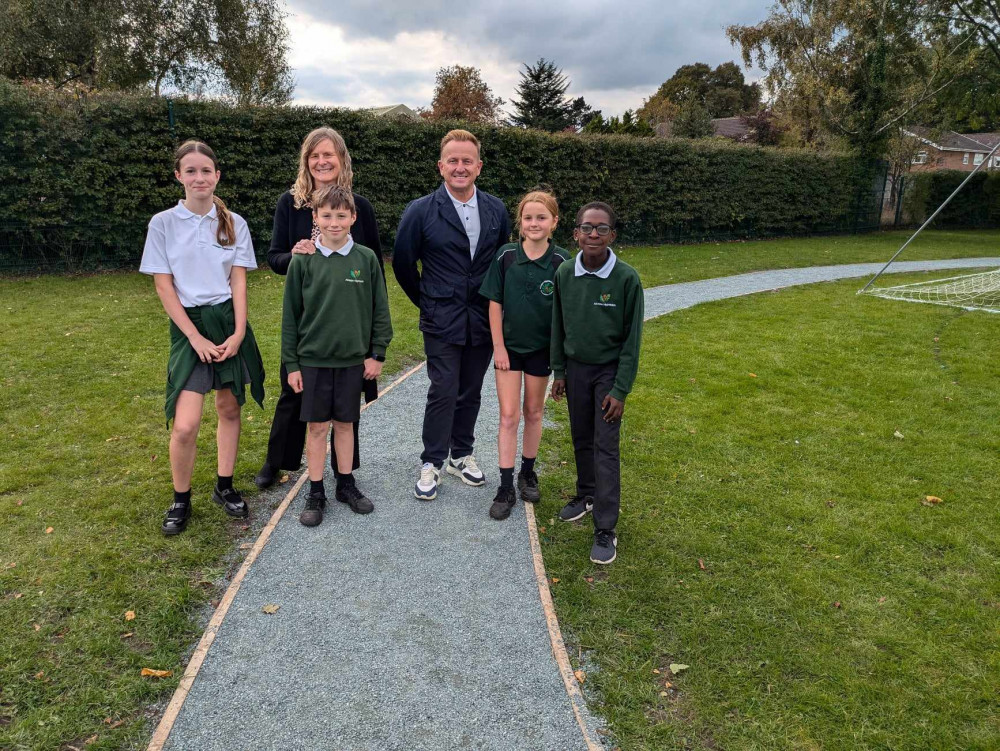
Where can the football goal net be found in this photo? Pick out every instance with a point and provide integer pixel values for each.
(980, 291)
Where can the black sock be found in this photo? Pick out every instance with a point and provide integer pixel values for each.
(345, 480)
(184, 497)
(506, 477)
(224, 483)
(527, 465)
(316, 486)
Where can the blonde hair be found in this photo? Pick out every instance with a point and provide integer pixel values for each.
(226, 233)
(459, 135)
(333, 197)
(536, 196)
(304, 185)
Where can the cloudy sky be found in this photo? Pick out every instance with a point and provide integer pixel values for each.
(353, 53)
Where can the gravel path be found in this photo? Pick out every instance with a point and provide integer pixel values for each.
(418, 626)
(671, 297)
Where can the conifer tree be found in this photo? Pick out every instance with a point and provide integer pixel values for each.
(542, 102)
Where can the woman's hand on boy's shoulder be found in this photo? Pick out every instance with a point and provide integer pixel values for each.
(304, 247)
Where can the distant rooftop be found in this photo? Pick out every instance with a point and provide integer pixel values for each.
(949, 140)
(730, 127)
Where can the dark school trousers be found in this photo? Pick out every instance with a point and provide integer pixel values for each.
(456, 373)
(595, 442)
(288, 432)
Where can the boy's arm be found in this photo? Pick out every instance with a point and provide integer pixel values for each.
(381, 321)
(628, 359)
(291, 316)
(557, 354)
(407, 251)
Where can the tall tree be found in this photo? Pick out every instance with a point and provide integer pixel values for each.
(251, 52)
(460, 93)
(629, 124)
(542, 102)
(693, 120)
(722, 92)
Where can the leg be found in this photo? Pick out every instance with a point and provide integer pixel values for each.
(475, 359)
(288, 432)
(580, 402)
(228, 434)
(343, 441)
(509, 396)
(316, 449)
(534, 408)
(443, 368)
(607, 499)
(184, 438)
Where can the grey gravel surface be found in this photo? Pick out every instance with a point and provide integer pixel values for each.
(418, 626)
(671, 297)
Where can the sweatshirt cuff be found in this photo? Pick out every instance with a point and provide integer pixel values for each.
(618, 394)
(291, 367)
(376, 350)
(559, 374)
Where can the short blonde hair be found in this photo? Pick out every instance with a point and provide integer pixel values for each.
(459, 135)
(333, 197)
(304, 185)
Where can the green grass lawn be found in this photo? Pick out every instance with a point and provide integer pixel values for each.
(85, 453)
(834, 609)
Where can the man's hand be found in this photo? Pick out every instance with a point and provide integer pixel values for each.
(558, 388)
(373, 368)
(612, 408)
(295, 381)
(500, 358)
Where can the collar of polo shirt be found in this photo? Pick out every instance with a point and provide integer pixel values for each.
(604, 272)
(471, 203)
(185, 213)
(343, 251)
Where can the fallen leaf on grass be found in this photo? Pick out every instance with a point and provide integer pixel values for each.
(663, 693)
(270, 609)
(676, 667)
(898, 435)
(881, 600)
(18, 595)
(580, 675)
(555, 580)
(113, 438)
(113, 723)
(151, 673)
(541, 530)
(152, 458)
(701, 564)
(589, 579)
(214, 603)
(245, 527)
(931, 500)
(656, 671)
(90, 741)
(668, 684)
(246, 546)
(283, 479)
(36, 627)
(20, 501)
(12, 564)
(49, 530)
(39, 675)
(128, 635)
(753, 375)
(837, 604)
(129, 615)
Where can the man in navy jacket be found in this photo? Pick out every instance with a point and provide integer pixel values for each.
(454, 232)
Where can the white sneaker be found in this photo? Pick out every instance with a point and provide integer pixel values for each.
(467, 469)
(427, 486)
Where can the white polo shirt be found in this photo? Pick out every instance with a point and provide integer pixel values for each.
(183, 244)
(468, 212)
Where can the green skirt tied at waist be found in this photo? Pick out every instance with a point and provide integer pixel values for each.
(216, 323)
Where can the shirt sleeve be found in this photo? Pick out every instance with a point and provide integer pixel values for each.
(490, 288)
(628, 360)
(244, 245)
(154, 254)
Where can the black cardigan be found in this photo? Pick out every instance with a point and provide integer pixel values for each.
(292, 224)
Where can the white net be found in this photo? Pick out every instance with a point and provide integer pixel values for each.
(971, 291)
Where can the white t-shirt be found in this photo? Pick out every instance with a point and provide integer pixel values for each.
(184, 244)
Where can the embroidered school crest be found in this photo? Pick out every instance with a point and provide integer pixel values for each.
(354, 275)
(606, 297)
(604, 301)
(546, 287)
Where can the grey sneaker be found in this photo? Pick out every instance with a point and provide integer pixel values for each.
(466, 468)
(426, 488)
(577, 508)
(605, 547)
(527, 486)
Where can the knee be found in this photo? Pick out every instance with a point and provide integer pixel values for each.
(228, 410)
(343, 428)
(185, 433)
(533, 413)
(318, 430)
(509, 419)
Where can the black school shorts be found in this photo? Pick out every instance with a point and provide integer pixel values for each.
(331, 394)
(532, 363)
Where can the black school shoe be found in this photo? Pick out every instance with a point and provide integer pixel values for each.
(266, 477)
(605, 548)
(577, 508)
(527, 486)
(503, 503)
(232, 502)
(176, 519)
(312, 514)
(354, 498)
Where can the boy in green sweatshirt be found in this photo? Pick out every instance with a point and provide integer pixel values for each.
(335, 328)
(596, 331)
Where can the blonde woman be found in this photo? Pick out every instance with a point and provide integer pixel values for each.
(323, 161)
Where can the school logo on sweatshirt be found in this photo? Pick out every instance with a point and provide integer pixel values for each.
(605, 301)
(355, 277)
(546, 287)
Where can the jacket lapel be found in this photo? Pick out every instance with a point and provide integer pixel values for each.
(487, 225)
(448, 210)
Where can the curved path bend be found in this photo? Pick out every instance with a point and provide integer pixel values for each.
(420, 626)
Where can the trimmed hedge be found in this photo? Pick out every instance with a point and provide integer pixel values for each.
(79, 174)
(978, 205)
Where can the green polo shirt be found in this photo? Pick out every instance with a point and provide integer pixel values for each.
(526, 295)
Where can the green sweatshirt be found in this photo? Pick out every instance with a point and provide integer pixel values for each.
(336, 311)
(598, 321)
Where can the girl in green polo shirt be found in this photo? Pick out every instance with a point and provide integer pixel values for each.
(519, 287)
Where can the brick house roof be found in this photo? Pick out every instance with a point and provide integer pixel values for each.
(949, 140)
(730, 127)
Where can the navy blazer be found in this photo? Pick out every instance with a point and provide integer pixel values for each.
(447, 289)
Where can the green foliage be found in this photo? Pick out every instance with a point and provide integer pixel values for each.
(626, 125)
(723, 92)
(542, 102)
(99, 167)
(977, 205)
(693, 121)
(460, 93)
